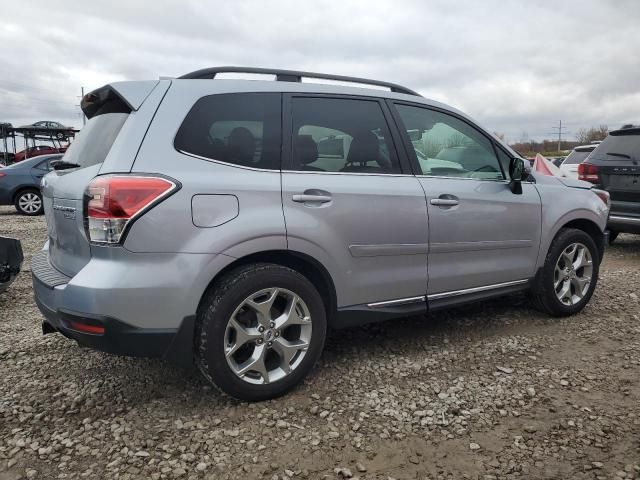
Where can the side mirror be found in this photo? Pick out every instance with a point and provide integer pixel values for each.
(517, 172)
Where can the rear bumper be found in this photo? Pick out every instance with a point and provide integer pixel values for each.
(145, 303)
(624, 223)
(118, 338)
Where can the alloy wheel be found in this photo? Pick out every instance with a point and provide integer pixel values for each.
(267, 336)
(573, 274)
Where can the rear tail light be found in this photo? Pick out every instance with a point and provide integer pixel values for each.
(589, 172)
(114, 201)
(603, 195)
(2, 174)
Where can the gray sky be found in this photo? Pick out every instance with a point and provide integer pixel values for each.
(514, 66)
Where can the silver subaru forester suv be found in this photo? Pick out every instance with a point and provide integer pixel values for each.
(229, 223)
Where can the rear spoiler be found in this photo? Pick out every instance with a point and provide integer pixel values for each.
(119, 97)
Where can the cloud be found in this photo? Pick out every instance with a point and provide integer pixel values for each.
(514, 66)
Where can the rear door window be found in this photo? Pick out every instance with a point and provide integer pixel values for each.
(239, 128)
(341, 135)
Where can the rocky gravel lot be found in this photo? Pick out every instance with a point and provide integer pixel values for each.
(495, 390)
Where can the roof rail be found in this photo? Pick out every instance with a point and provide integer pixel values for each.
(295, 76)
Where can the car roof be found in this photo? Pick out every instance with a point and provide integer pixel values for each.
(40, 158)
(202, 83)
(631, 130)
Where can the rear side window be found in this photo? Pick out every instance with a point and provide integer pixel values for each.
(341, 135)
(238, 128)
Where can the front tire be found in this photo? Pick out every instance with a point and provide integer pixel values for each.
(569, 276)
(29, 202)
(260, 329)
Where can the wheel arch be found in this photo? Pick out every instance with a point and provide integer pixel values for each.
(593, 222)
(22, 188)
(301, 263)
(590, 228)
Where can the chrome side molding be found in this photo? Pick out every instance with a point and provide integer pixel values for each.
(397, 303)
(466, 291)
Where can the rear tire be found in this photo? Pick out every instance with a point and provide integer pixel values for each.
(569, 276)
(260, 329)
(29, 202)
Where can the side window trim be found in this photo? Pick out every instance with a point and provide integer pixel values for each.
(287, 133)
(413, 158)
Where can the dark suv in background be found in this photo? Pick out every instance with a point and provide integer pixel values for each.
(613, 165)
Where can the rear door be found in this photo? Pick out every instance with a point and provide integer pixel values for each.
(113, 132)
(63, 192)
(481, 235)
(350, 203)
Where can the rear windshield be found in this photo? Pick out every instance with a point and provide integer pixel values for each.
(622, 146)
(94, 141)
(575, 157)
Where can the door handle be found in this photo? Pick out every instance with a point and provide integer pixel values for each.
(445, 202)
(306, 198)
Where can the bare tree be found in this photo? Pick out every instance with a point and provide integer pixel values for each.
(588, 135)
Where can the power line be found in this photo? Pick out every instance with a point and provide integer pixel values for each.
(560, 131)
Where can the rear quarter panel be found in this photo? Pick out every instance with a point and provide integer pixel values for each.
(258, 225)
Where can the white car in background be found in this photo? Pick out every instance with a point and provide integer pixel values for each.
(579, 154)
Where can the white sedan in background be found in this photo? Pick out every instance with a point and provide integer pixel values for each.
(578, 155)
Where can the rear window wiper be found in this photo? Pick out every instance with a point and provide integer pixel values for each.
(622, 155)
(63, 165)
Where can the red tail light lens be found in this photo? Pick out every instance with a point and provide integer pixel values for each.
(2, 174)
(115, 200)
(589, 172)
(87, 328)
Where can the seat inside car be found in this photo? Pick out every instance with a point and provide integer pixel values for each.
(306, 152)
(242, 146)
(365, 149)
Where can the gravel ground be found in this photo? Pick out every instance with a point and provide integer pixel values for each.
(495, 390)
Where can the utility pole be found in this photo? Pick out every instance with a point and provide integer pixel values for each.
(84, 118)
(560, 132)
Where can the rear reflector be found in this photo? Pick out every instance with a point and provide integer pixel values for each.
(589, 172)
(87, 328)
(115, 200)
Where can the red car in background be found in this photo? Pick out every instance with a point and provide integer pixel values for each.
(38, 150)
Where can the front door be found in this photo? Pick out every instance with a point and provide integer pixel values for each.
(350, 204)
(482, 236)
